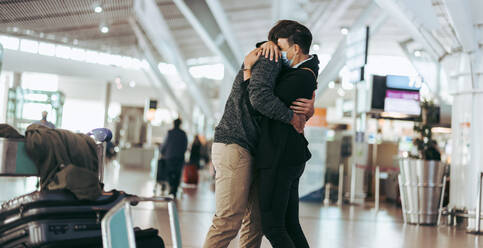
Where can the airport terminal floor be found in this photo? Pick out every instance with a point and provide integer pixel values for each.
(325, 226)
(331, 123)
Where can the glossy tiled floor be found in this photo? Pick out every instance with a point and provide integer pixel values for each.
(350, 226)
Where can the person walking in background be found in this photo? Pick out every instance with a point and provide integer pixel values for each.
(44, 121)
(173, 150)
(195, 154)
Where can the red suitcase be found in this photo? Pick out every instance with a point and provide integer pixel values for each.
(190, 174)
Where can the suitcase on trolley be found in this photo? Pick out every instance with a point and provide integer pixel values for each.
(55, 219)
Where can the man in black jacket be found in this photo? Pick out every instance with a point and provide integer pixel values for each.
(236, 138)
(173, 150)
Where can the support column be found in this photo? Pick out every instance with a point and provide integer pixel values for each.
(107, 102)
(467, 144)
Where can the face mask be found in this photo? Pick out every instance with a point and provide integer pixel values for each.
(285, 60)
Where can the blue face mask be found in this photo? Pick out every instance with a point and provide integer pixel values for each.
(285, 60)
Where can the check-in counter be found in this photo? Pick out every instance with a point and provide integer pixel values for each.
(136, 157)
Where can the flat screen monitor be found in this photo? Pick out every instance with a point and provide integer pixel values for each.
(402, 83)
(402, 102)
(395, 94)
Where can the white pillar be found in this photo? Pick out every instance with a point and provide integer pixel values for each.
(107, 102)
(467, 153)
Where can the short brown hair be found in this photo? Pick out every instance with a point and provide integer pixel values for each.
(294, 32)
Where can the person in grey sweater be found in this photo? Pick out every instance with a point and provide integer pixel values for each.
(236, 138)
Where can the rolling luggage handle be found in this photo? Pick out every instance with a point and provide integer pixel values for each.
(124, 206)
(101, 136)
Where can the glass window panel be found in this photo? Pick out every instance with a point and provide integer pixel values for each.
(78, 54)
(40, 81)
(214, 71)
(47, 49)
(91, 56)
(10, 42)
(63, 52)
(29, 46)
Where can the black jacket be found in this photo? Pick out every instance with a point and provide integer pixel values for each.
(175, 144)
(280, 142)
(245, 99)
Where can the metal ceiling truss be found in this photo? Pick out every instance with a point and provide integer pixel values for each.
(327, 15)
(418, 32)
(413, 60)
(160, 82)
(157, 30)
(460, 14)
(205, 24)
(338, 58)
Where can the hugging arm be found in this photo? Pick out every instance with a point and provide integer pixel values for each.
(261, 91)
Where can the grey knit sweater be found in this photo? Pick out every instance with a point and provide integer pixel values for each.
(248, 99)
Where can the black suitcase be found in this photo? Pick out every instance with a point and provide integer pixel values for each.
(54, 219)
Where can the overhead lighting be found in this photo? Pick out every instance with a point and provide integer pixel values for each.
(104, 29)
(331, 84)
(97, 8)
(132, 84)
(417, 53)
(344, 31)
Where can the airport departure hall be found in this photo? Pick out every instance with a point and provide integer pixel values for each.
(241, 123)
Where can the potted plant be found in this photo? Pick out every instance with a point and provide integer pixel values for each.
(427, 147)
(422, 172)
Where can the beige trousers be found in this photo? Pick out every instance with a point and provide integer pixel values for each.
(236, 199)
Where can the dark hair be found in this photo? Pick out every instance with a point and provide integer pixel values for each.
(177, 123)
(294, 32)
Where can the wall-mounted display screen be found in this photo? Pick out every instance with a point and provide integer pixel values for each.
(402, 82)
(402, 102)
(396, 94)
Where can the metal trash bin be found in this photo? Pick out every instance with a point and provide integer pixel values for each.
(422, 182)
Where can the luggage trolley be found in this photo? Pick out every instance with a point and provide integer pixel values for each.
(14, 161)
(117, 227)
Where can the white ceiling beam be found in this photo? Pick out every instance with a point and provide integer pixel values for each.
(327, 15)
(211, 35)
(413, 60)
(416, 30)
(338, 58)
(460, 15)
(158, 81)
(157, 30)
(226, 28)
(287, 10)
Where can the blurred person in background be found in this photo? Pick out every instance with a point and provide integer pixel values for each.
(173, 150)
(195, 153)
(44, 121)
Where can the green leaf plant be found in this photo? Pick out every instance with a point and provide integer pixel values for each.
(426, 145)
